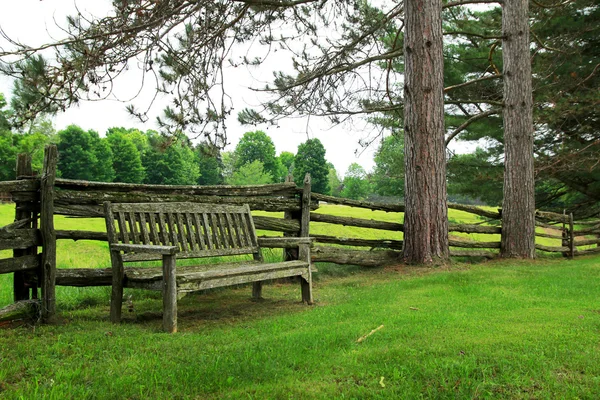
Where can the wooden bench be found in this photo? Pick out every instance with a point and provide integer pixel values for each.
(166, 231)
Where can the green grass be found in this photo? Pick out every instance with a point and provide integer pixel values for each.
(499, 330)
(502, 329)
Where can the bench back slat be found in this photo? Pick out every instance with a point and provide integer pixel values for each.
(198, 230)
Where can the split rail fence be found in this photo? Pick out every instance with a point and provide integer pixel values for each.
(39, 198)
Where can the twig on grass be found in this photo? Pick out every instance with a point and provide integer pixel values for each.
(360, 339)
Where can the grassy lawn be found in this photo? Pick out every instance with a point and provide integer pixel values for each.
(502, 329)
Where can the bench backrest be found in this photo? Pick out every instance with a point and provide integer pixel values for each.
(198, 230)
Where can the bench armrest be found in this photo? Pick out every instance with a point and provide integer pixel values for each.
(145, 248)
(285, 242)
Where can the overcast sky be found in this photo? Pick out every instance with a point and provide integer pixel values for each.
(34, 22)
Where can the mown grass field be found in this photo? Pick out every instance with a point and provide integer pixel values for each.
(501, 329)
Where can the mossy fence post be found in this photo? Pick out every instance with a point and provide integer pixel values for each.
(48, 282)
(25, 210)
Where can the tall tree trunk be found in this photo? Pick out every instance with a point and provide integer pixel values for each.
(426, 216)
(518, 209)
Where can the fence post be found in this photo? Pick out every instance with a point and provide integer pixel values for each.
(291, 254)
(572, 237)
(24, 210)
(48, 233)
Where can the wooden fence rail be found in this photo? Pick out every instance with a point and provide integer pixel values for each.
(38, 199)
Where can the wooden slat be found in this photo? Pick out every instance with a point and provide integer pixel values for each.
(171, 230)
(19, 239)
(181, 232)
(23, 263)
(231, 231)
(131, 218)
(154, 237)
(242, 229)
(123, 231)
(199, 231)
(129, 257)
(191, 234)
(223, 230)
(144, 229)
(207, 232)
(164, 235)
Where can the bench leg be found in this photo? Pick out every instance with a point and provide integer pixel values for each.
(169, 294)
(306, 287)
(116, 295)
(257, 290)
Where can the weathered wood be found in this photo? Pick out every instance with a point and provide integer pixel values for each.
(475, 210)
(149, 231)
(25, 209)
(473, 244)
(357, 203)
(20, 224)
(83, 277)
(81, 235)
(21, 263)
(587, 231)
(48, 235)
(359, 222)
(277, 189)
(284, 242)
(587, 242)
(28, 197)
(21, 310)
(548, 235)
(66, 198)
(26, 185)
(466, 228)
(547, 226)
(571, 237)
(19, 239)
(276, 224)
(551, 216)
(472, 253)
(144, 248)
(365, 258)
(592, 222)
(304, 250)
(382, 244)
(552, 249)
(169, 292)
(593, 250)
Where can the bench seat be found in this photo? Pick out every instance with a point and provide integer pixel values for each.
(207, 276)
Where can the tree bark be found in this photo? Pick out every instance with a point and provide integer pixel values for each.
(426, 215)
(518, 210)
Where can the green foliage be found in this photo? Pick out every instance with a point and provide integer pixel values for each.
(258, 146)
(335, 183)
(103, 167)
(388, 175)
(4, 116)
(8, 157)
(287, 161)
(170, 161)
(356, 185)
(210, 165)
(310, 158)
(477, 176)
(228, 158)
(75, 156)
(252, 173)
(127, 161)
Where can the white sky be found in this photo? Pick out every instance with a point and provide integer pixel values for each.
(34, 22)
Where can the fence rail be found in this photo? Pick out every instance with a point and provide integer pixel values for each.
(38, 199)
